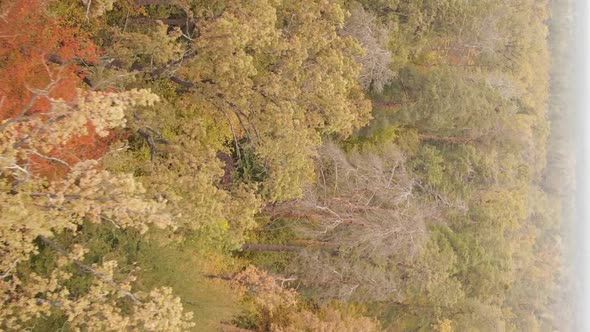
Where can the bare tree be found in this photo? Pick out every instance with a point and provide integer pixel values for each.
(364, 205)
(373, 37)
(362, 201)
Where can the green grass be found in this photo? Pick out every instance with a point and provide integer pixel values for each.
(183, 267)
(162, 261)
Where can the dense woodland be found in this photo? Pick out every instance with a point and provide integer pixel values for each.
(275, 165)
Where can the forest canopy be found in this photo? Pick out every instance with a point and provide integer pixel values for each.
(274, 165)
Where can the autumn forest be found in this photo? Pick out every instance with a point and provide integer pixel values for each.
(276, 165)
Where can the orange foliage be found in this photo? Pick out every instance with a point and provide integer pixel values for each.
(89, 146)
(28, 38)
(37, 52)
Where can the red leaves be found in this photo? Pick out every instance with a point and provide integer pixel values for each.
(28, 38)
(37, 62)
(83, 147)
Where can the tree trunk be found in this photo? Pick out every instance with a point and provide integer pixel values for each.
(181, 22)
(313, 243)
(226, 277)
(270, 247)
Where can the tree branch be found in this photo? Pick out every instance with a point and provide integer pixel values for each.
(12, 266)
(87, 268)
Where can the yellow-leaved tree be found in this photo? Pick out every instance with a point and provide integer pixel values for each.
(35, 208)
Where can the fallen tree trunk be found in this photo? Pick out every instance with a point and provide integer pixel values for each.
(270, 247)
